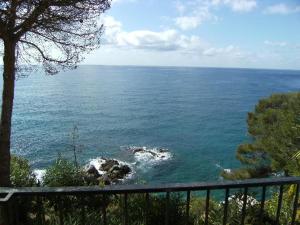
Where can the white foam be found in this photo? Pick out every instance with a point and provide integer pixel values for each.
(226, 170)
(98, 162)
(150, 155)
(39, 174)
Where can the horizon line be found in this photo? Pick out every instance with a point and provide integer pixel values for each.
(190, 67)
(193, 67)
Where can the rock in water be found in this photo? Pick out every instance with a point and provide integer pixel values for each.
(125, 169)
(105, 180)
(110, 163)
(138, 150)
(93, 171)
(162, 150)
(118, 172)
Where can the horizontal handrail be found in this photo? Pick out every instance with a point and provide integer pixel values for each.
(7, 197)
(11, 197)
(155, 188)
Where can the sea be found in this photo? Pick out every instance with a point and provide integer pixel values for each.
(198, 115)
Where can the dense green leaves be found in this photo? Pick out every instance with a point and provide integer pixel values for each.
(63, 173)
(21, 173)
(274, 128)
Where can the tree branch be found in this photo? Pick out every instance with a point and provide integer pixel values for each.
(42, 53)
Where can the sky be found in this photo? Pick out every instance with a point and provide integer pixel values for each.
(201, 33)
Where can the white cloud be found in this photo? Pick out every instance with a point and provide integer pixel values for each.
(282, 9)
(275, 44)
(241, 5)
(193, 13)
(166, 40)
(230, 50)
(188, 22)
(181, 8)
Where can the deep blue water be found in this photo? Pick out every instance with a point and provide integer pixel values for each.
(199, 114)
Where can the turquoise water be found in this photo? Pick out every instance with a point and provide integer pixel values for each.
(199, 114)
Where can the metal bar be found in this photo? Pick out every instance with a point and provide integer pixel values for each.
(59, 193)
(60, 213)
(17, 212)
(121, 189)
(295, 208)
(262, 204)
(167, 208)
(147, 222)
(11, 208)
(207, 206)
(226, 206)
(244, 205)
(4, 213)
(188, 199)
(104, 216)
(7, 196)
(279, 204)
(125, 209)
(41, 213)
(82, 211)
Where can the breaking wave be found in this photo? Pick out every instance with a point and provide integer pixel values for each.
(143, 158)
(150, 156)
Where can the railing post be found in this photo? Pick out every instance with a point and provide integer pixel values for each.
(41, 211)
(60, 211)
(105, 204)
(188, 199)
(167, 219)
(125, 209)
(6, 213)
(207, 206)
(147, 213)
(279, 205)
(295, 207)
(245, 196)
(3, 214)
(262, 204)
(82, 211)
(226, 206)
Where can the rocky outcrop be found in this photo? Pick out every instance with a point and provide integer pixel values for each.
(93, 171)
(109, 163)
(111, 171)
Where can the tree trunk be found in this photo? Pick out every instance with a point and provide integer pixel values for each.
(9, 61)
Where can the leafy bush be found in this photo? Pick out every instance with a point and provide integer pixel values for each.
(274, 129)
(63, 173)
(21, 174)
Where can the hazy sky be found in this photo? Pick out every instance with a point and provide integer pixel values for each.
(216, 33)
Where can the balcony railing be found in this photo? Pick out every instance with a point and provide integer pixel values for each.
(35, 199)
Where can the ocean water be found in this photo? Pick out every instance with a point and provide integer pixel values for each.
(198, 114)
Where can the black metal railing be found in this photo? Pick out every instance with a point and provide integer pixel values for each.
(36, 199)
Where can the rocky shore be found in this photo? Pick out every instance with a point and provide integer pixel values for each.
(112, 171)
(108, 171)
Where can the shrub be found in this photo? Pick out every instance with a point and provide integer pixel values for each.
(21, 174)
(63, 173)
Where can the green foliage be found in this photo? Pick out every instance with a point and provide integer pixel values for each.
(286, 208)
(246, 173)
(21, 174)
(274, 128)
(63, 173)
